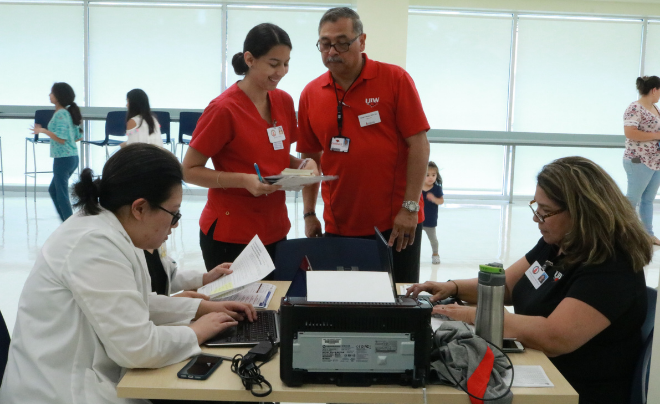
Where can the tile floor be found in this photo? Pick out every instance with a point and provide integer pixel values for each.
(469, 232)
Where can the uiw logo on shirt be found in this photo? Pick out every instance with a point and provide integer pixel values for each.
(372, 102)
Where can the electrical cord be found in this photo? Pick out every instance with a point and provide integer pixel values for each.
(459, 385)
(249, 372)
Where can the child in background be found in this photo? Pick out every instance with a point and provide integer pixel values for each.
(433, 196)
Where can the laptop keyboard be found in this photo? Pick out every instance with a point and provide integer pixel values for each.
(249, 333)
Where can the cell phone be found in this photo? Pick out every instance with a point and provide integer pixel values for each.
(510, 345)
(200, 367)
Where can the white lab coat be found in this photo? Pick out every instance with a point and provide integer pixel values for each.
(85, 313)
(180, 280)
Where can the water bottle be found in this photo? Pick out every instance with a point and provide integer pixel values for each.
(490, 306)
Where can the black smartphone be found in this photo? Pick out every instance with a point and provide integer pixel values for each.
(510, 345)
(200, 367)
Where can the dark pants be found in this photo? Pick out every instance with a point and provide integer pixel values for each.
(217, 252)
(406, 262)
(63, 168)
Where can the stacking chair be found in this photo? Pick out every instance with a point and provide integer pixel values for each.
(115, 125)
(163, 118)
(4, 346)
(41, 117)
(640, 383)
(187, 124)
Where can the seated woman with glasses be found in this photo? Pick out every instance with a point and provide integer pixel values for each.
(587, 311)
(87, 311)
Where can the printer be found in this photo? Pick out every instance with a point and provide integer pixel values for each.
(355, 344)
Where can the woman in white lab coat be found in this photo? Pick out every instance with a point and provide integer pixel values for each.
(86, 312)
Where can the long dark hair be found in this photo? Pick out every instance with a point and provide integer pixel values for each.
(136, 171)
(259, 41)
(138, 104)
(65, 95)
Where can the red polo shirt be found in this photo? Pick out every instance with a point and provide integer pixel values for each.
(233, 134)
(372, 175)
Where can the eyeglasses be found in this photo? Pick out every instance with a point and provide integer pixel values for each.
(534, 207)
(175, 216)
(340, 47)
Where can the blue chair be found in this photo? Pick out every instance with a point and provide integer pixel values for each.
(4, 346)
(326, 254)
(41, 117)
(640, 382)
(187, 125)
(115, 125)
(163, 118)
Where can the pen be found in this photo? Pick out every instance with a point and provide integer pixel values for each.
(256, 167)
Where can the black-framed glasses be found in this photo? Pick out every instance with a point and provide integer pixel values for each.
(175, 215)
(340, 47)
(535, 209)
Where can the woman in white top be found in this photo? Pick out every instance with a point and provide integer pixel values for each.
(141, 125)
(641, 160)
(87, 312)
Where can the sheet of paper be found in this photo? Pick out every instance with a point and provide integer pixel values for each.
(404, 287)
(252, 265)
(529, 376)
(257, 294)
(349, 286)
(295, 183)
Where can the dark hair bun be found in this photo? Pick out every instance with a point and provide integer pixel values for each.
(238, 62)
(646, 84)
(87, 192)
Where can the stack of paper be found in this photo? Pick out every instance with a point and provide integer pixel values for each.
(252, 265)
(294, 180)
(348, 286)
(257, 294)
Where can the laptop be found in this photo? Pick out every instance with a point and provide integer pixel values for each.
(247, 334)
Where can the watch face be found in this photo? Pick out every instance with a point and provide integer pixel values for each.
(411, 206)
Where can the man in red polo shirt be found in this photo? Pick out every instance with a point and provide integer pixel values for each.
(363, 121)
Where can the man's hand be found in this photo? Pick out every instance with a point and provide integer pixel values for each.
(313, 227)
(403, 229)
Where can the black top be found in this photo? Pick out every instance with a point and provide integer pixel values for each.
(601, 370)
(430, 208)
(159, 278)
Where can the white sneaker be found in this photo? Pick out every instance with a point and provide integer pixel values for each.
(435, 259)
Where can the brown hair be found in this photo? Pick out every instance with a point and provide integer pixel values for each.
(604, 221)
(646, 84)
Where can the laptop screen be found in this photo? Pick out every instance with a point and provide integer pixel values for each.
(386, 260)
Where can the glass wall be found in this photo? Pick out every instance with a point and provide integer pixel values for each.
(565, 85)
(463, 81)
(33, 56)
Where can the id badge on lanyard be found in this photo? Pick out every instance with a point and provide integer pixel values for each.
(276, 136)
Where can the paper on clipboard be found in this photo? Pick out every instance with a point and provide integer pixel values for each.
(297, 182)
(252, 265)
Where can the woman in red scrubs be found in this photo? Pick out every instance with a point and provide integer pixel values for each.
(251, 122)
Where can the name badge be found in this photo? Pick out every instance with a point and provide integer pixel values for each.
(536, 275)
(369, 119)
(339, 144)
(278, 145)
(276, 134)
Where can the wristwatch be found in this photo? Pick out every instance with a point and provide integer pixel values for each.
(411, 206)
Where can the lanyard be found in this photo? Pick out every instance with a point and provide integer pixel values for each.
(340, 104)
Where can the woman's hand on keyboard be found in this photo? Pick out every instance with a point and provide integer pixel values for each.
(439, 290)
(211, 324)
(239, 311)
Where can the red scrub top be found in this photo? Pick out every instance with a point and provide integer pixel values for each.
(233, 134)
(372, 175)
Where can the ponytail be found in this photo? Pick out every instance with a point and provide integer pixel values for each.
(87, 192)
(646, 84)
(76, 115)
